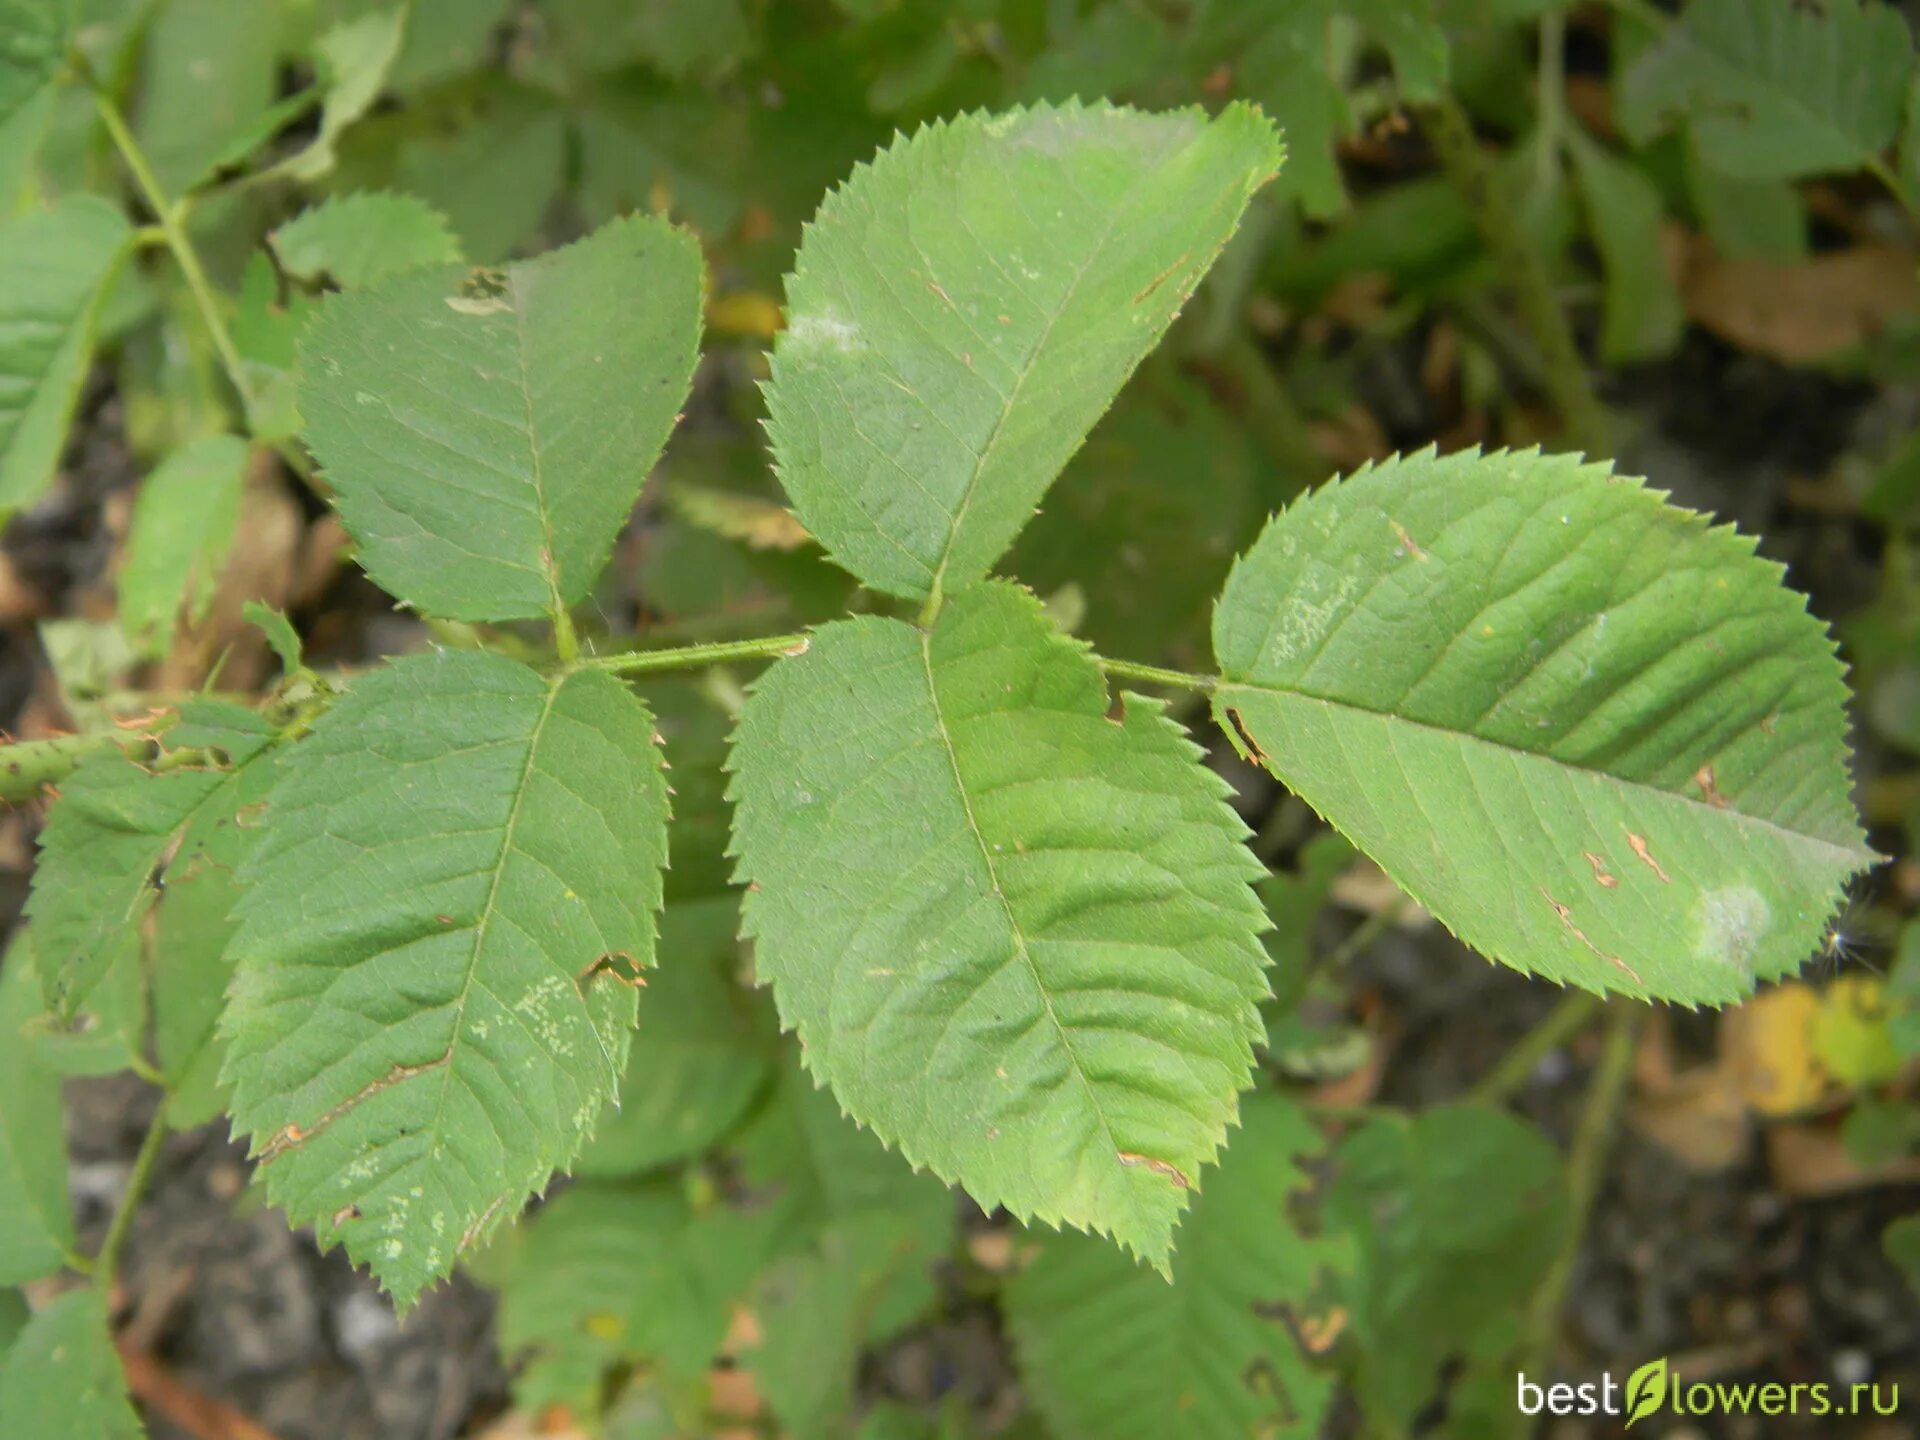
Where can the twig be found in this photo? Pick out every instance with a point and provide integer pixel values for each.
(107, 1262)
(201, 1416)
(167, 213)
(1576, 1010)
(1586, 1164)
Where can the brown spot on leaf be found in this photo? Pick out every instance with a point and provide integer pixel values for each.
(344, 1214)
(1709, 787)
(1159, 1167)
(617, 964)
(1247, 741)
(1160, 279)
(1639, 844)
(1407, 542)
(1600, 871)
(1566, 919)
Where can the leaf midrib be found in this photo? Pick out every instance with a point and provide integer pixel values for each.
(1730, 811)
(999, 893)
(1027, 364)
(548, 560)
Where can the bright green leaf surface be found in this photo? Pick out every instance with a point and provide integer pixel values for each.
(964, 309)
(700, 1055)
(1593, 735)
(1110, 1352)
(61, 1378)
(54, 267)
(189, 964)
(1015, 937)
(183, 524)
(486, 435)
(116, 826)
(363, 238)
(457, 875)
(36, 1223)
(1773, 90)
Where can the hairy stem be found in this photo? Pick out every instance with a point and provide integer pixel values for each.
(29, 766)
(108, 1260)
(1574, 1013)
(1586, 1164)
(1496, 216)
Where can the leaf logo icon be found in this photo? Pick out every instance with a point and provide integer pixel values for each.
(1646, 1390)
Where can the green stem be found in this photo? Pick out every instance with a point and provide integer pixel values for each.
(1155, 675)
(692, 657)
(108, 1260)
(29, 766)
(1496, 216)
(1586, 1165)
(168, 214)
(566, 643)
(1365, 933)
(1551, 82)
(1573, 1014)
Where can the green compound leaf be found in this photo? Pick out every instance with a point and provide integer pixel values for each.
(1595, 736)
(454, 888)
(54, 267)
(36, 1221)
(963, 309)
(363, 238)
(119, 830)
(1015, 937)
(1773, 90)
(62, 1378)
(1110, 1353)
(183, 525)
(486, 433)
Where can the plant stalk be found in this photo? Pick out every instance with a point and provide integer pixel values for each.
(168, 214)
(29, 766)
(692, 657)
(106, 1263)
(1155, 675)
(1573, 1014)
(1497, 217)
(1586, 1165)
